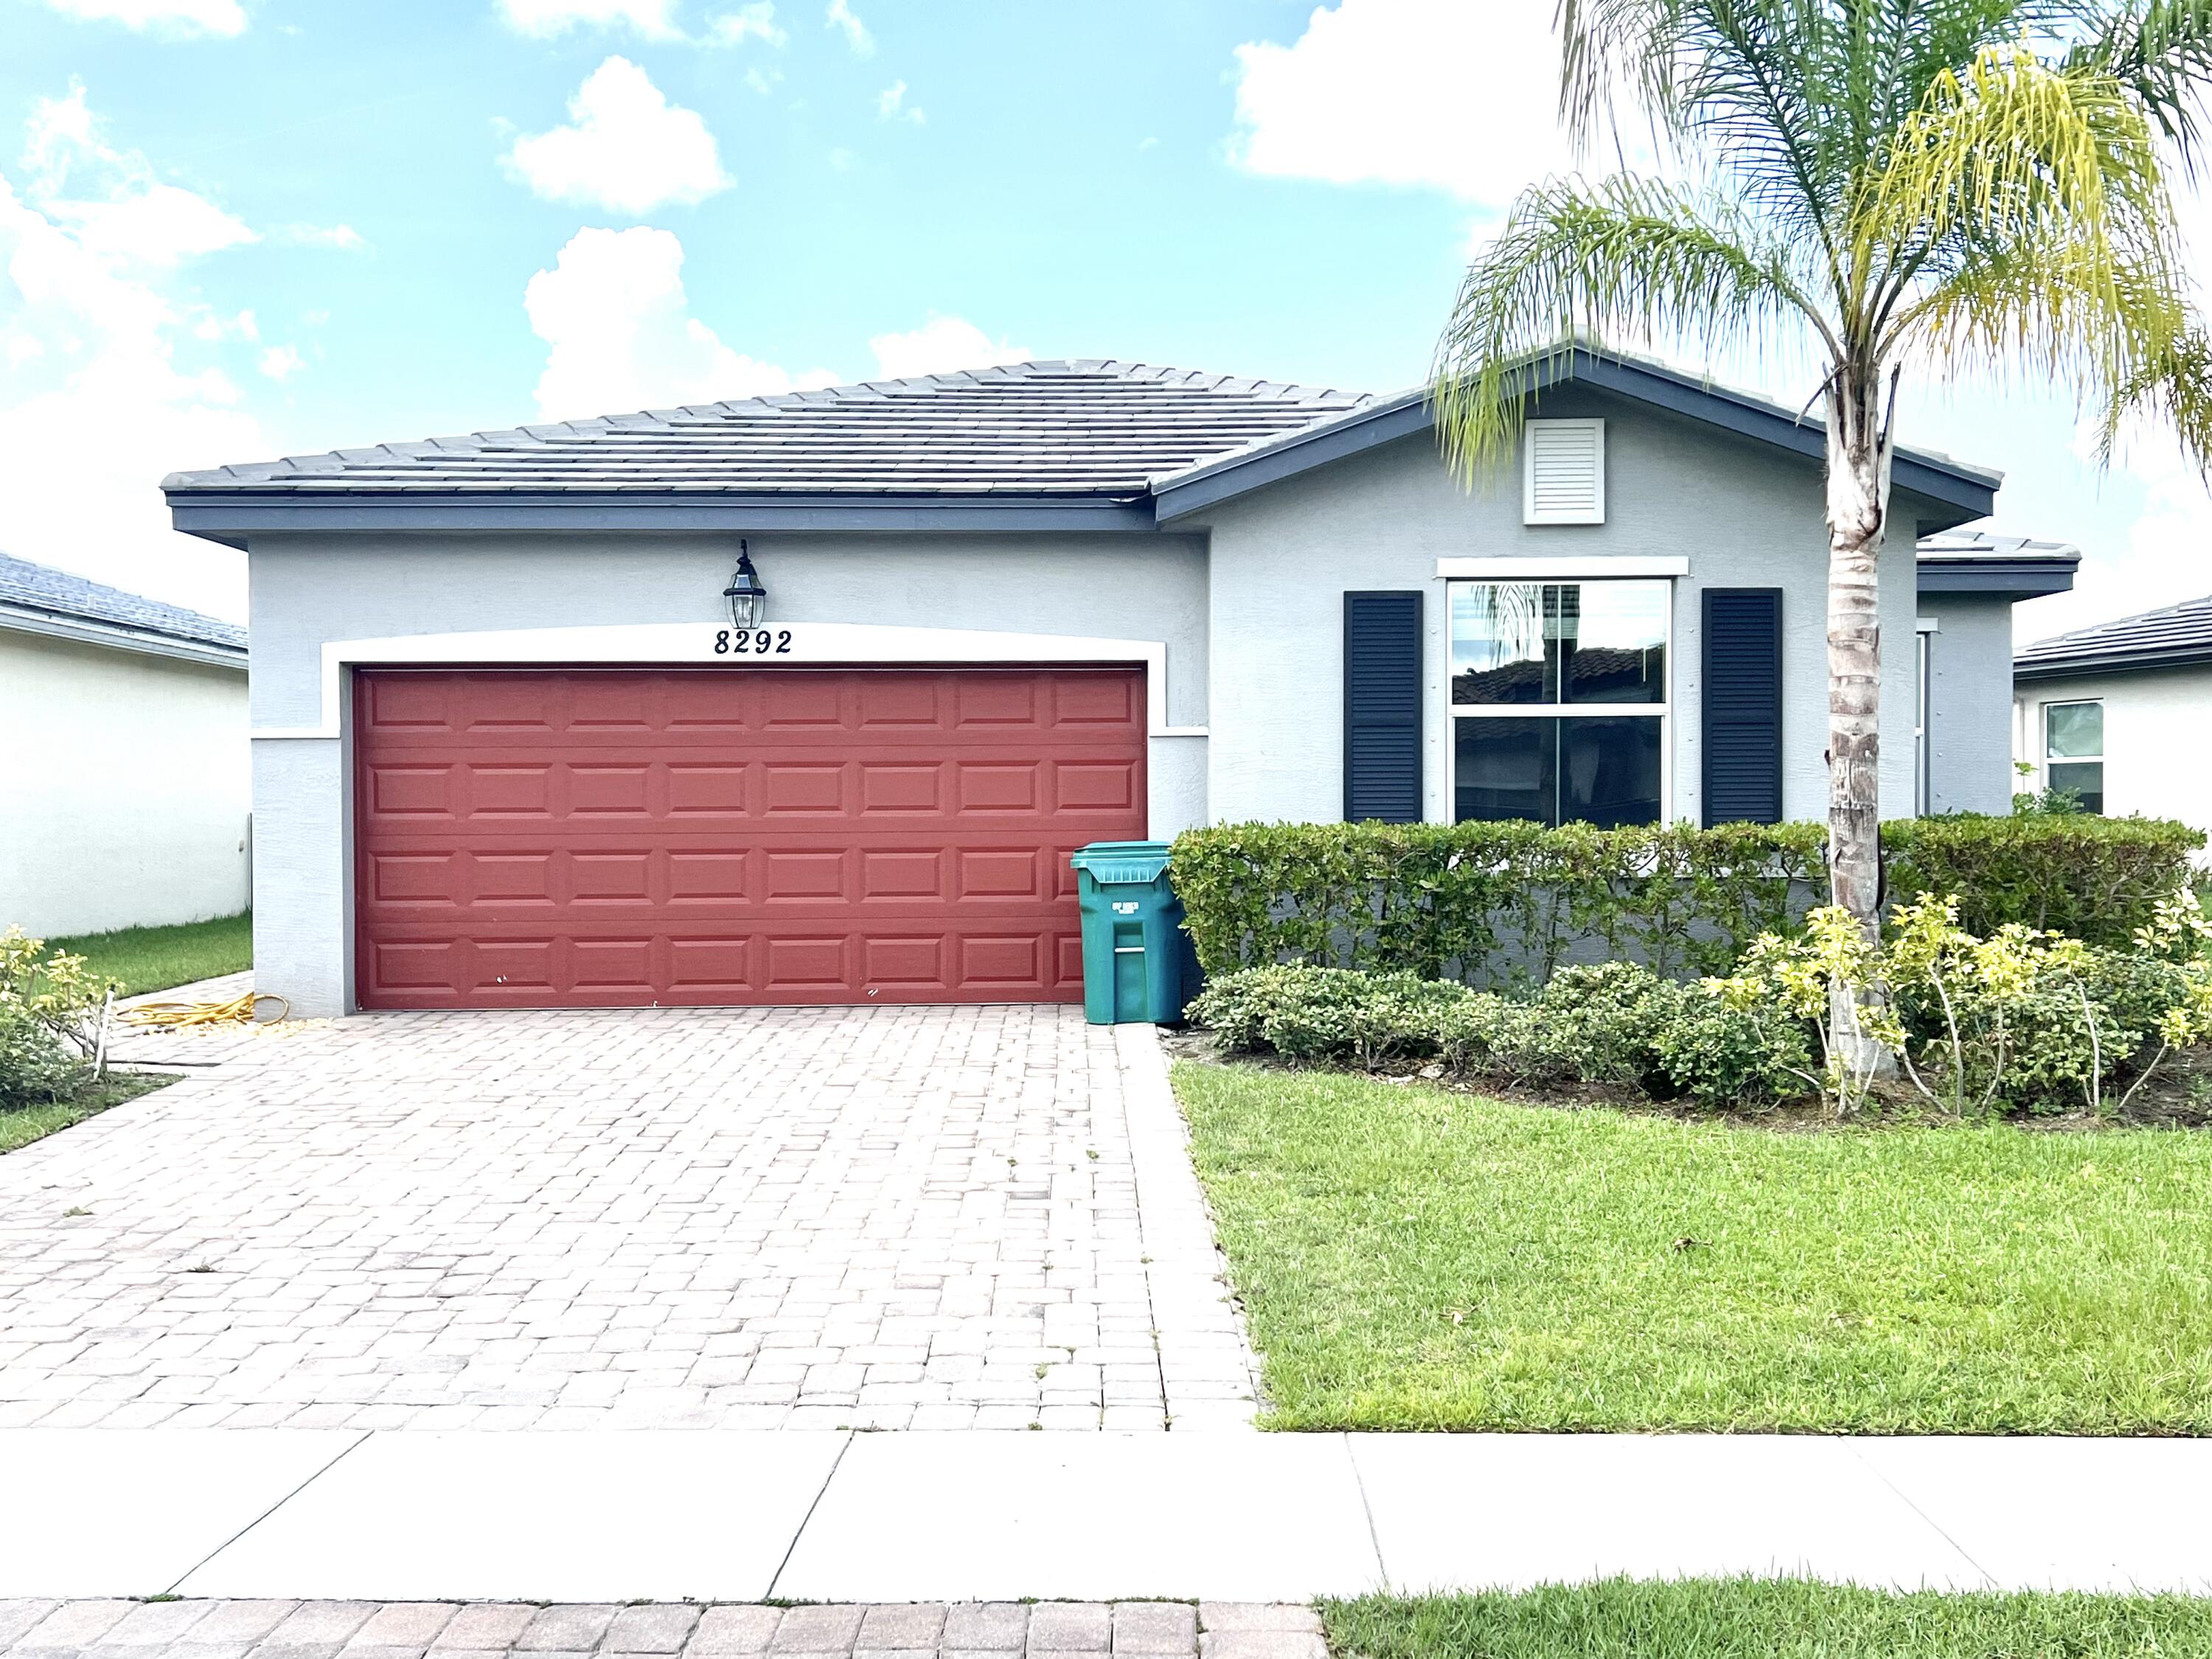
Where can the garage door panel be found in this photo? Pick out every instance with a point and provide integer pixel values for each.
(549, 838)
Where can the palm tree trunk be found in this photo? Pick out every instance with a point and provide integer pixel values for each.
(1858, 508)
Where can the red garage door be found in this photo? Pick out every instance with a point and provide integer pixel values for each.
(580, 838)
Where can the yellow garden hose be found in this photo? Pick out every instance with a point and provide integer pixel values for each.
(171, 1015)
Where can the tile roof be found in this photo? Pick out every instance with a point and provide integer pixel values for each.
(1979, 546)
(40, 593)
(2174, 632)
(1085, 428)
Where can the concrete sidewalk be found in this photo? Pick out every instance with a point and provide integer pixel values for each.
(820, 1516)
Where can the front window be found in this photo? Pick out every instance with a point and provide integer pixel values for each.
(2074, 751)
(1559, 694)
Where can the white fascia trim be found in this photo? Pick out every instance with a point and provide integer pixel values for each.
(1589, 568)
(119, 637)
(1927, 625)
(691, 644)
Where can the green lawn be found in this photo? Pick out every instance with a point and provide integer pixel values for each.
(21, 1125)
(155, 958)
(1412, 1258)
(1767, 1618)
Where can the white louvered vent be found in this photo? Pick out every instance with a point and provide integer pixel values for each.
(1563, 472)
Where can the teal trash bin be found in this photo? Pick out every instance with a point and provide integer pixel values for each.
(1132, 927)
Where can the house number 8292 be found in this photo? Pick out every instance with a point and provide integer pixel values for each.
(754, 642)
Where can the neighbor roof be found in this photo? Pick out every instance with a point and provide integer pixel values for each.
(37, 598)
(2176, 635)
(1976, 562)
(1089, 443)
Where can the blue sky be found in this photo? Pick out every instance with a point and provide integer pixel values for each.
(234, 228)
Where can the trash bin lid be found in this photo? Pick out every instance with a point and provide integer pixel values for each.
(1118, 862)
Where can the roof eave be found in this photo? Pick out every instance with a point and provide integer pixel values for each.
(84, 630)
(231, 515)
(2012, 579)
(2111, 662)
(1969, 493)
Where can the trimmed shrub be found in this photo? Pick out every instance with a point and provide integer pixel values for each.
(1497, 904)
(50, 1008)
(1508, 904)
(2096, 879)
(1614, 1023)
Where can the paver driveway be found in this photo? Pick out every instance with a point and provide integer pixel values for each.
(763, 1217)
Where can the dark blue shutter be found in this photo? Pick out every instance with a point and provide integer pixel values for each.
(1383, 707)
(1743, 705)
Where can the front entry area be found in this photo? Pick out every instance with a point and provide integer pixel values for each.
(620, 837)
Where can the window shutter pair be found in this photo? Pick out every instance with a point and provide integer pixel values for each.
(1742, 723)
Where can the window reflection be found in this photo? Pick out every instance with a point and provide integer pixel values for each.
(1559, 642)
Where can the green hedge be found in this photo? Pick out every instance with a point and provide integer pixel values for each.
(2095, 878)
(1506, 903)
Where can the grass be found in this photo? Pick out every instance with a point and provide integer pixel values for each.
(21, 1125)
(1767, 1618)
(1415, 1259)
(157, 958)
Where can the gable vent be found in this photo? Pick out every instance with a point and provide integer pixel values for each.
(1563, 472)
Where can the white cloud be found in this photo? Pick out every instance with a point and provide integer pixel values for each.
(1457, 95)
(891, 104)
(185, 16)
(630, 148)
(653, 19)
(100, 400)
(131, 218)
(939, 345)
(621, 334)
(344, 238)
(755, 21)
(840, 16)
(280, 362)
(762, 81)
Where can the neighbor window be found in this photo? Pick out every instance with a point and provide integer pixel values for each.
(2074, 751)
(1558, 694)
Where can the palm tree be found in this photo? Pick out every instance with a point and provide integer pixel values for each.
(1942, 185)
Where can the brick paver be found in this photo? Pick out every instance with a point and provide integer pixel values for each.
(487, 1629)
(883, 1217)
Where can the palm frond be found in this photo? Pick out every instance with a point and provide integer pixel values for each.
(2161, 50)
(2172, 390)
(1622, 255)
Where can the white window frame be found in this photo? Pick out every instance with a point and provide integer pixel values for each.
(1528, 512)
(1663, 711)
(2042, 745)
(1923, 705)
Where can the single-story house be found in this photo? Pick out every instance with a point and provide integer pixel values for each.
(125, 788)
(2112, 713)
(521, 738)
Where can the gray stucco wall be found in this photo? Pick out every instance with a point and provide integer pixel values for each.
(1744, 515)
(1969, 702)
(309, 589)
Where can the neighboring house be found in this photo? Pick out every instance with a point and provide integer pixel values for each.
(2118, 714)
(126, 789)
(1969, 582)
(502, 758)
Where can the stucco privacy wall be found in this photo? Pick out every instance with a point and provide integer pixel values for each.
(1969, 728)
(307, 590)
(2154, 736)
(1742, 513)
(126, 799)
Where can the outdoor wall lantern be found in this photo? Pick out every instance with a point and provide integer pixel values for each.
(748, 599)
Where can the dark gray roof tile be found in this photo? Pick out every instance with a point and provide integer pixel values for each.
(1090, 428)
(2174, 633)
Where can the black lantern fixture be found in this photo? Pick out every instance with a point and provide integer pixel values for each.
(748, 599)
